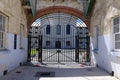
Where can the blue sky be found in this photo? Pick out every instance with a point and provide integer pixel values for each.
(79, 22)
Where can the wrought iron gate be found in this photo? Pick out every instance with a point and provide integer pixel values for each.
(44, 48)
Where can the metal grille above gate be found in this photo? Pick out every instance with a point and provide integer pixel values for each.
(59, 43)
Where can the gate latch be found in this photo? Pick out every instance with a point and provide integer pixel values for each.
(58, 51)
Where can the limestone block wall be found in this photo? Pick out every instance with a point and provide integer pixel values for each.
(16, 15)
(10, 58)
(69, 3)
(103, 13)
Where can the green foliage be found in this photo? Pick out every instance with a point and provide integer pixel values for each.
(33, 52)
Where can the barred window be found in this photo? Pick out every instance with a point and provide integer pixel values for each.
(58, 29)
(67, 43)
(68, 29)
(116, 32)
(48, 29)
(2, 31)
(47, 43)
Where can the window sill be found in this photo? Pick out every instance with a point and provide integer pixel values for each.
(95, 50)
(21, 48)
(4, 49)
(115, 53)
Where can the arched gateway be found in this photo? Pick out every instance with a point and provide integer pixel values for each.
(58, 34)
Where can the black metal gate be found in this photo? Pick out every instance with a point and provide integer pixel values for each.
(74, 48)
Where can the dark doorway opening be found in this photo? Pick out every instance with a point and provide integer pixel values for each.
(58, 44)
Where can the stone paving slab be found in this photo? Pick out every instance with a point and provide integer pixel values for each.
(61, 73)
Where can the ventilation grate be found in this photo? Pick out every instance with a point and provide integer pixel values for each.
(5, 72)
(44, 74)
(18, 71)
(89, 69)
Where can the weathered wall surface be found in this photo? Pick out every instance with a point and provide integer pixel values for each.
(69, 3)
(103, 13)
(16, 16)
(10, 58)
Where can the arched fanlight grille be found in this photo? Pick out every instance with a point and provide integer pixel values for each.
(58, 18)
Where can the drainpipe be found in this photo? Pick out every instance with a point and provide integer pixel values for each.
(32, 7)
(87, 8)
(35, 6)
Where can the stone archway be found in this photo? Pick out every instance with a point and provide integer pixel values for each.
(60, 52)
(63, 9)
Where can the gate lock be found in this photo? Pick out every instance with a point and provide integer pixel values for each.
(58, 51)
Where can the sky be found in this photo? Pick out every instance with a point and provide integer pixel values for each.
(79, 23)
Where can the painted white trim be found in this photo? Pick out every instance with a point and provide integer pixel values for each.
(5, 31)
(21, 36)
(115, 53)
(113, 34)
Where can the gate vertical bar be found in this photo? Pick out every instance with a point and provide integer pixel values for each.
(58, 56)
(29, 49)
(77, 48)
(40, 48)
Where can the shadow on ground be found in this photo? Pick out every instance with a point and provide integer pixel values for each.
(38, 71)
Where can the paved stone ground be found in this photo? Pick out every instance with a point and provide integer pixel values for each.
(62, 72)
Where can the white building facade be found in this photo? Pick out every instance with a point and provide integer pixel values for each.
(57, 37)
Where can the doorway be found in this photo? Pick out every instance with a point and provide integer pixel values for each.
(58, 44)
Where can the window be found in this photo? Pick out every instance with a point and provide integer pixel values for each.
(116, 32)
(96, 37)
(68, 29)
(58, 44)
(58, 29)
(2, 31)
(15, 41)
(48, 29)
(67, 43)
(47, 43)
(21, 35)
